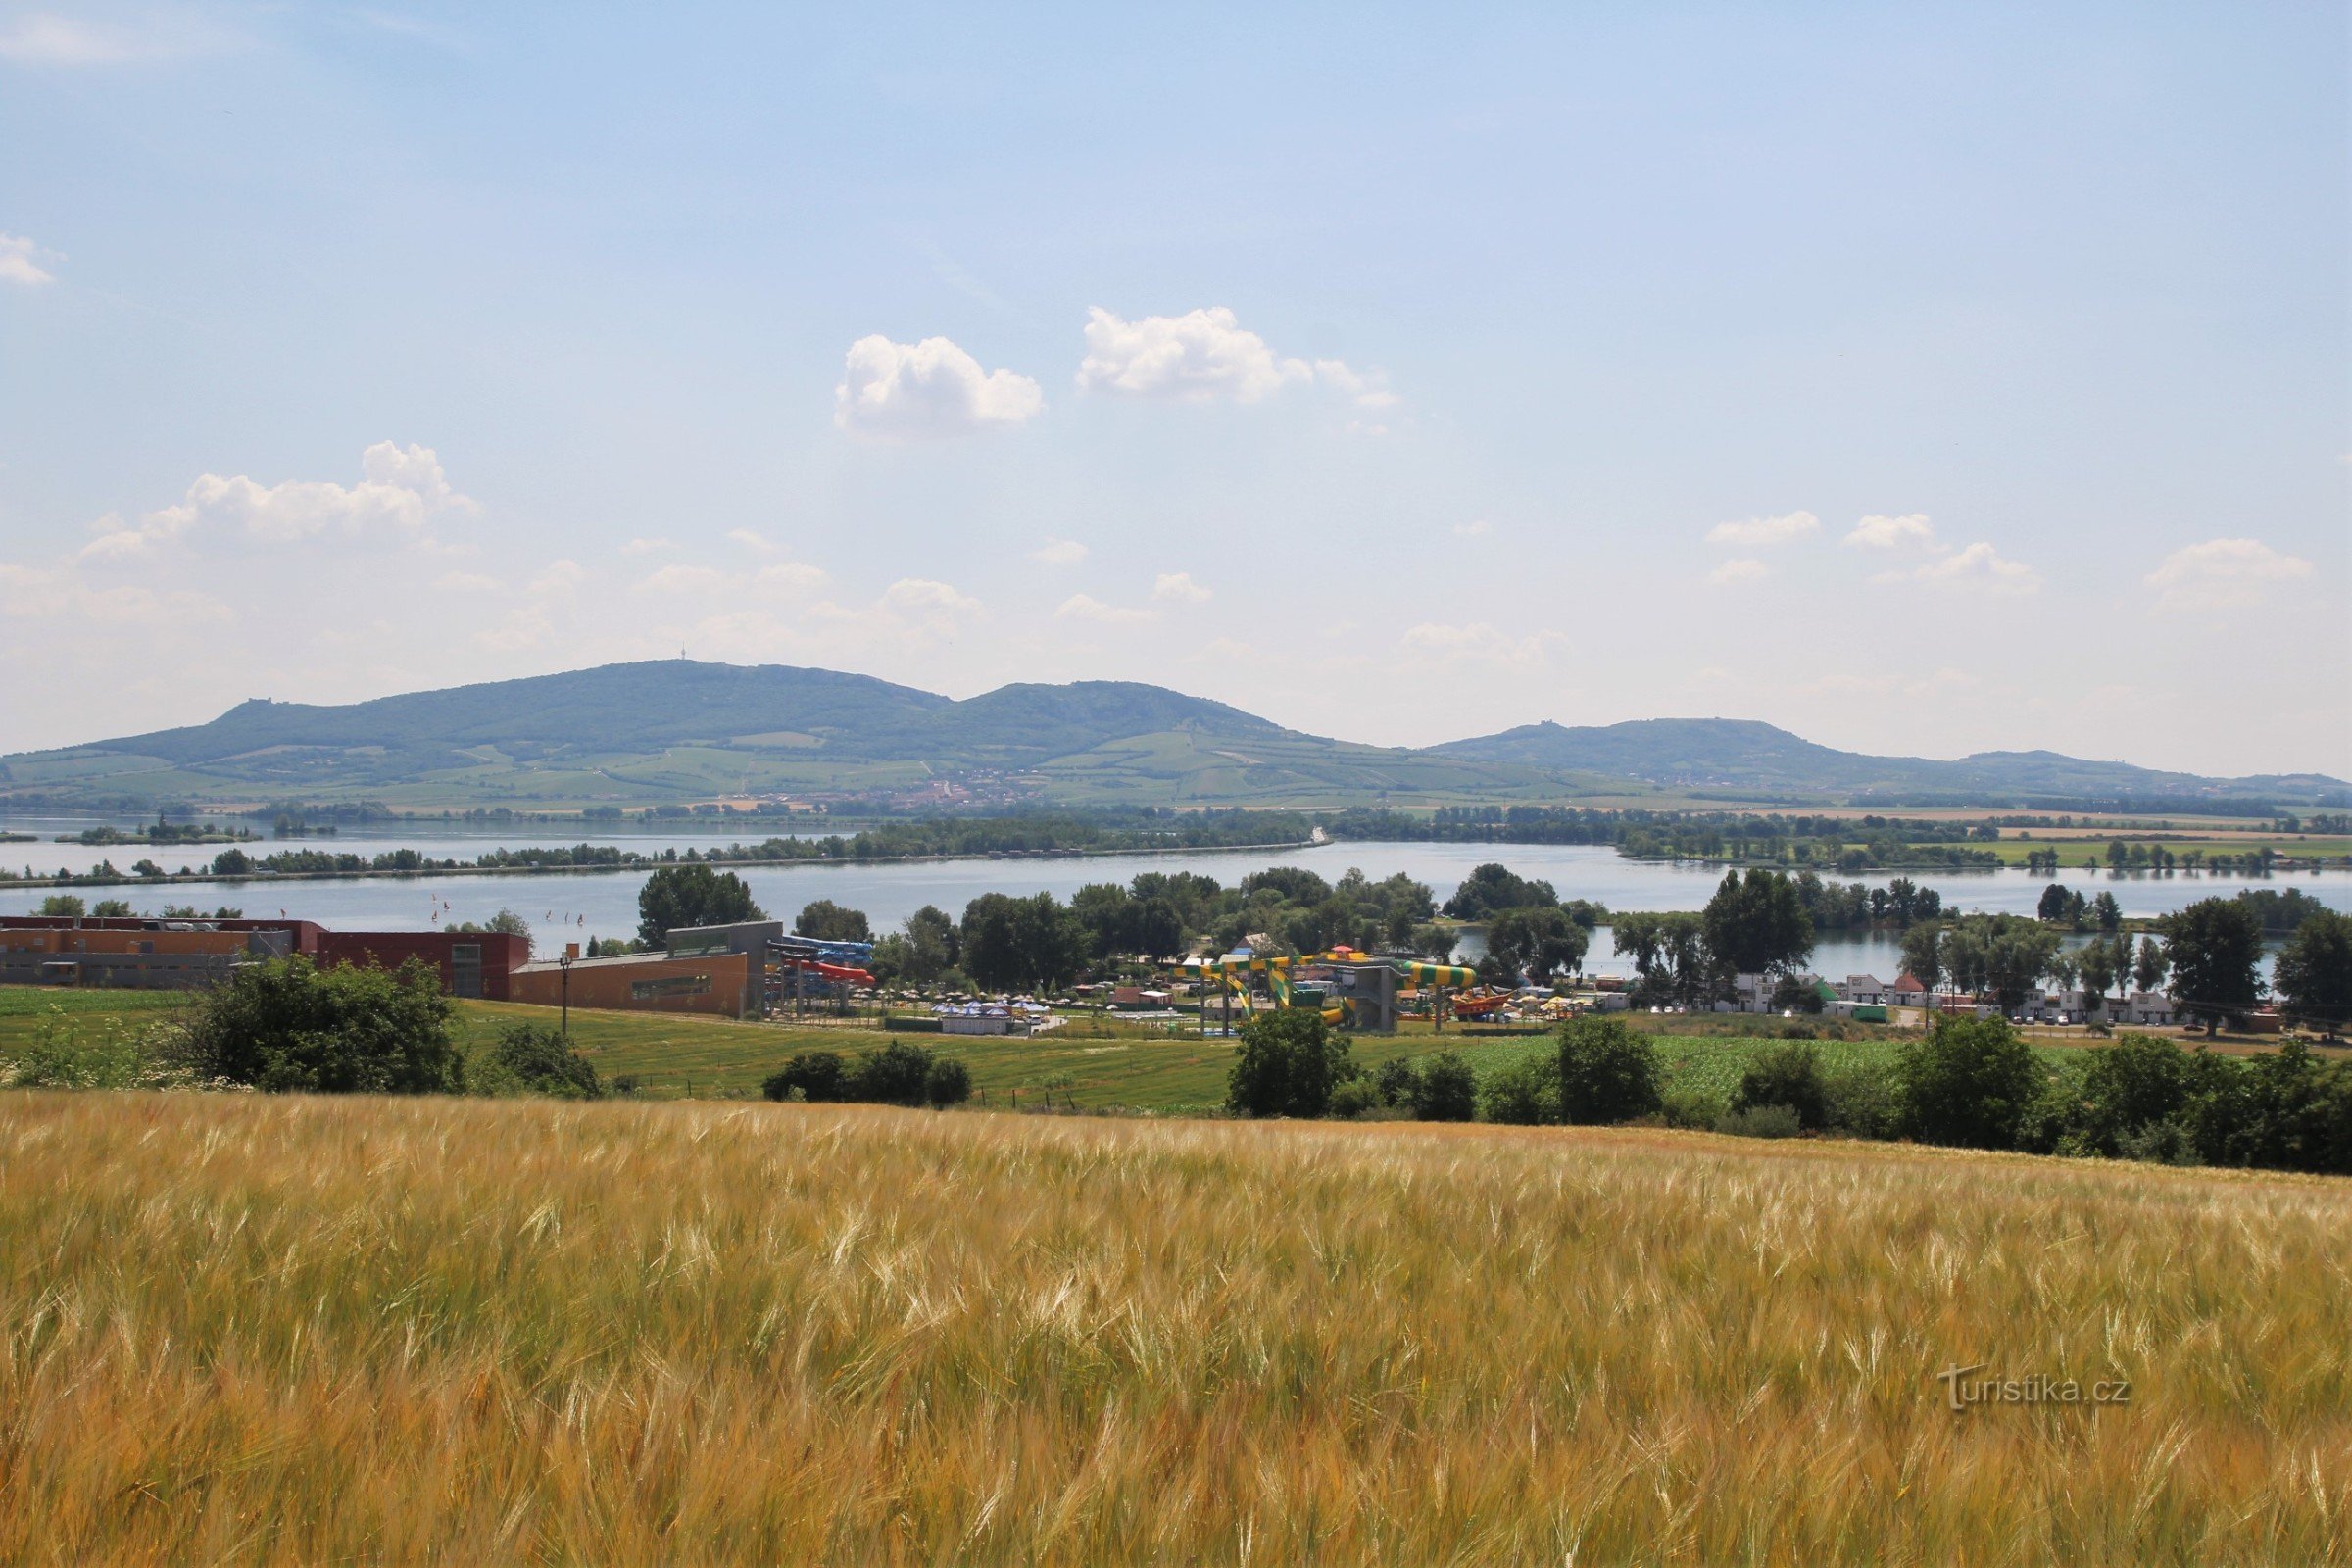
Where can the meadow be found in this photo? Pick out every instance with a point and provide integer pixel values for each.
(289, 1329)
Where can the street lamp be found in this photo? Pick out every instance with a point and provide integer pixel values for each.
(565, 963)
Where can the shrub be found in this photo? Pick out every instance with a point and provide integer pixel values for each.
(817, 1075)
(1863, 1100)
(1353, 1098)
(61, 1056)
(949, 1083)
(897, 1075)
(1687, 1105)
(1768, 1120)
(1526, 1092)
(1969, 1082)
(1446, 1090)
(1786, 1075)
(1287, 1064)
(288, 1025)
(1396, 1081)
(538, 1060)
(1608, 1072)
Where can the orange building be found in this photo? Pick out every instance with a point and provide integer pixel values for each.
(714, 984)
(153, 959)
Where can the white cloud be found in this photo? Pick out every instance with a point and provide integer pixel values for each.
(403, 490)
(1178, 588)
(1479, 642)
(1086, 606)
(646, 547)
(526, 627)
(923, 596)
(752, 539)
(1758, 531)
(1059, 553)
(1877, 532)
(2220, 574)
(1979, 568)
(31, 593)
(558, 576)
(791, 576)
(1204, 354)
(51, 40)
(1742, 571)
(1478, 529)
(678, 578)
(465, 582)
(17, 265)
(931, 388)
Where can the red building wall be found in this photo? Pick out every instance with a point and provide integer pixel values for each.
(500, 956)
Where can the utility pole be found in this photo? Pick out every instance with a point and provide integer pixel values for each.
(564, 962)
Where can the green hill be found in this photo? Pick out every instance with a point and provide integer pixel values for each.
(675, 730)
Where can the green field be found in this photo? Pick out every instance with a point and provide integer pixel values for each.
(1092, 1064)
(2072, 851)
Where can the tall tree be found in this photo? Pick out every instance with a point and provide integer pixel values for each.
(2147, 970)
(1756, 924)
(677, 896)
(823, 920)
(2216, 946)
(2313, 971)
(1537, 942)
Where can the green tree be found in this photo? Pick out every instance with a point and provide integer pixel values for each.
(2095, 964)
(819, 1076)
(1671, 955)
(823, 920)
(62, 906)
(676, 896)
(932, 944)
(1491, 888)
(1524, 1093)
(539, 1060)
(1608, 1072)
(2215, 945)
(2313, 974)
(1923, 954)
(1287, 1064)
(111, 909)
(1016, 944)
(1540, 942)
(288, 1025)
(1786, 1075)
(2126, 1089)
(1757, 924)
(2106, 912)
(2147, 970)
(1969, 1082)
(1446, 1090)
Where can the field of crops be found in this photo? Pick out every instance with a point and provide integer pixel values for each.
(310, 1330)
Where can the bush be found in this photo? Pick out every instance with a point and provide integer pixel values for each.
(1397, 1081)
(533, 1060)
(1969, 1082)
(1353, 1098)
(1786, 1075)
(1685, 1106)
(1526, 1092)
(1446, 1090)
(949, 1083)
(62, 1055)
(901, 1073)
(1863, 1100)
(288, 1025)
(817, 1076)
(1768, 1120)
(1608, 1072)
(1287, 1064)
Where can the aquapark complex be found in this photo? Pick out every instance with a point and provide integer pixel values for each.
(1355, 990)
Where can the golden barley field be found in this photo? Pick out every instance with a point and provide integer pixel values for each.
(305, 1330)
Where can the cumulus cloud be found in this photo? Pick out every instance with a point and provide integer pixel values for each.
(752, 539)
(923, 596)
(465, 582)
(37, 593)
(679, 578)
(912, 391)
(646, 547)
(791, 576)
(1741, 571)
(1979, 568)
(1059, 553)
(1178, 588)
(1204, 354)
(1086, 606)
(17, 265)
(1479, 642)
(2220, 574)
(1477, 529)
(1877, 532)
(403, 489)
(41, 38)
(1759, 532)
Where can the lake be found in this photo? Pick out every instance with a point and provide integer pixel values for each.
(575, 906)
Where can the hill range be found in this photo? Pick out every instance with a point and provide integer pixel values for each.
(679, 730)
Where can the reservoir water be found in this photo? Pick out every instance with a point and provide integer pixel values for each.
(575, 906)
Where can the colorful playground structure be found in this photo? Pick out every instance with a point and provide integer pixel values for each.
(1361, 991)
(802, 971)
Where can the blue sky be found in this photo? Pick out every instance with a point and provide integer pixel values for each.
(1923, 379)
